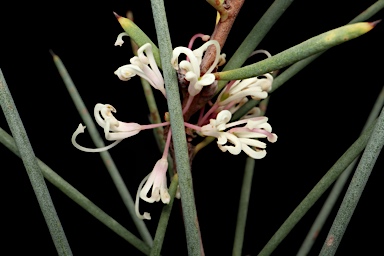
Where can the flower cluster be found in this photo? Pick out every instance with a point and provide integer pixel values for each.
(191, 67)
(143, 65)
(234, 137)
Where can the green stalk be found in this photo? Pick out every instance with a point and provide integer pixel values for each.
(164, 218)
(355, 189)
(295, 68)
(298, 52)
(178, 132)
(154, 116)
(243, 207)
(337, 188)
(254, 37)
(105, 156)
(333, 173)
(298, 66)
(78, 198)
(33, 170)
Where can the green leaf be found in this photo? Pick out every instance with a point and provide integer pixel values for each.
(305, 49)
(105, 155)
(78, 197)
(355, 188)
(138, 36)
(325, 182)
(33, 170)
(183, 167)
(258, 32)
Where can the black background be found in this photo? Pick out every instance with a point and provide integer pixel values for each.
(317, 115)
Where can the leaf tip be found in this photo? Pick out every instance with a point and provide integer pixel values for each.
(52, 53)
(54, 56)
(116, 15)
(374, 23)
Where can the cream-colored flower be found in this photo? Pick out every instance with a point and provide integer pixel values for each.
(114, 130)
(235, 139)
(191, 66)
(157, 180)
(143, 65)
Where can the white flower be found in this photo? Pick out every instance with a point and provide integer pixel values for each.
(216, 127)
(157, 179)
(191, 67)
(143, 65)
(239, 139)
(256, 87)
(114, 130)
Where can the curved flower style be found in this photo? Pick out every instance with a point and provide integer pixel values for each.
(191, 67)
(239, 139)
(114, 130)
(157, 179)
(143, 65)
(119, 40)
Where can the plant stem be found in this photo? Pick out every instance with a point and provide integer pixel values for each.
(33, 170)
(220, 34)
(337, 188)
(78, 198)
(178, 132)
(298, 52)
(298, 66)
(105, 156)
(355, 189)
(254, 37)
(333, 173)
(243, 207)
(164, 217)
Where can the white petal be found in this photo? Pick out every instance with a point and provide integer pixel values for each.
(234, 150)
(222, 119)
(253, 142)
(127, 71)
(199, 53)
(165, 197)
(147, 187)
(192, 59)
(256, 154)
(146, 215)
(256, 123)
(207, 79)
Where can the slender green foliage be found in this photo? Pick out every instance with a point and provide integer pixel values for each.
(178, 132)
(33, 169)
(164, 218)
(355, 189)
(243, 206)
(333, 173)
(337, 188)
(298, 52)
(258, 32)
(105, 156)
(298, 66)
(78, 198)
(138, 36)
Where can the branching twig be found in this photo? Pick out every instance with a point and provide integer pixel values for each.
(221, 32)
